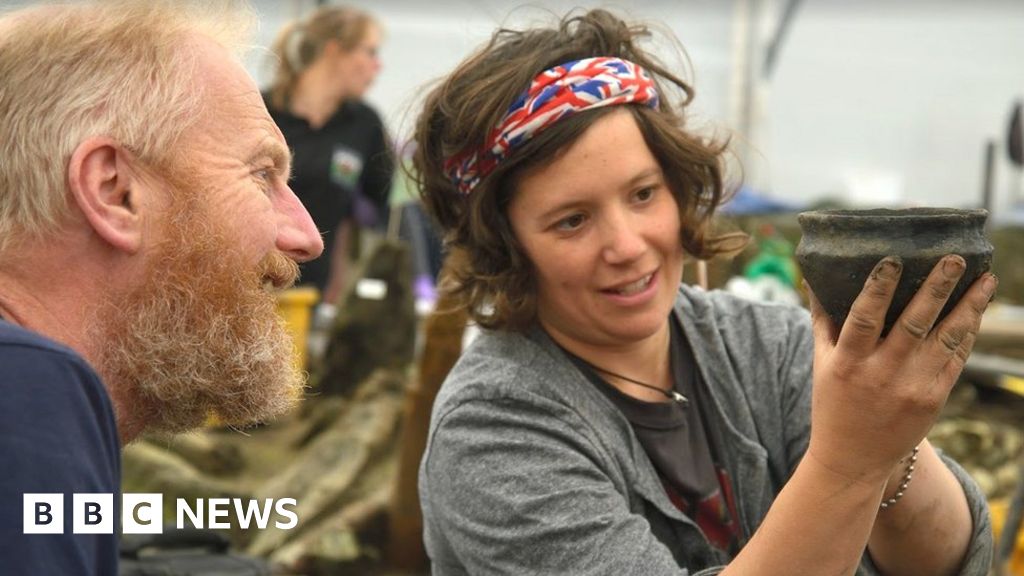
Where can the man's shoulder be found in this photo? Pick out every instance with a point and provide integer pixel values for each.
(57, 436)
(43, 376)
(19, 346)
(14, 336)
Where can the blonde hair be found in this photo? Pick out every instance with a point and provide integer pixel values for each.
(111, 68)
(299, 44)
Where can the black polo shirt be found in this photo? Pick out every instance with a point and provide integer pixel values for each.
(349, 155)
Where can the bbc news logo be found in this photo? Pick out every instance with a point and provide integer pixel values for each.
(144, 513)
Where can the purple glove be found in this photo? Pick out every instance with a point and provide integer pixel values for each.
(364, 212)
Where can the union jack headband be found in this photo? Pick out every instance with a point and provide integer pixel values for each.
(554, 94)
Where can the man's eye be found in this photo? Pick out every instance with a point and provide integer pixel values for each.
(263, 178)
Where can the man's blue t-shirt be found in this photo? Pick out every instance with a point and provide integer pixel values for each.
(58, 435)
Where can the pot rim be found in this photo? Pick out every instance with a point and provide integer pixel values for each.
(918, 212)
(870, 218)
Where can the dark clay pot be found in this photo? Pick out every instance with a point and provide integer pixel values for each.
(840, 248)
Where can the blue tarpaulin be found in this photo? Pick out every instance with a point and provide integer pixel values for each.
(748, 201)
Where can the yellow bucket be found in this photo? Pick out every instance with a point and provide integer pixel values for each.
(999, 508)
(295, 306)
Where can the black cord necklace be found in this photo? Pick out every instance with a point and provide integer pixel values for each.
(670, 394)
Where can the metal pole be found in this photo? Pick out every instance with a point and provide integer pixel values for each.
(775, 46)
(988, 179)
(741, 46)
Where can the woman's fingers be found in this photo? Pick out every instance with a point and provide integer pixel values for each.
(863, 326)
(916, 321)
(952, 340)
(820, 320)
(955, 365)
(825, 331)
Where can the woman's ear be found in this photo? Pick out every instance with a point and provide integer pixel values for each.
(332, 48)
(103, 186)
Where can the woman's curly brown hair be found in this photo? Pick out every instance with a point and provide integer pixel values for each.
(489, 272)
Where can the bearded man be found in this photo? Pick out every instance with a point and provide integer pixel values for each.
(145, 221)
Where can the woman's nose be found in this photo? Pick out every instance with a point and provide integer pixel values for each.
(623, 238)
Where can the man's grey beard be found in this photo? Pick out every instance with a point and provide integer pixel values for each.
(200, 337)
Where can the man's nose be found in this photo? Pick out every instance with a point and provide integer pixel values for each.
(297, 235)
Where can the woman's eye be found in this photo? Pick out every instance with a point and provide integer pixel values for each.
(645, 194)
(571, 222)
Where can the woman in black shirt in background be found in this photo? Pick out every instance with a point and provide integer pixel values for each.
(342, 165)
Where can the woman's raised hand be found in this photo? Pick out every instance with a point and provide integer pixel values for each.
(875, 399)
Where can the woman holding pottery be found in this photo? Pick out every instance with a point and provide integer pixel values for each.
(614, 421)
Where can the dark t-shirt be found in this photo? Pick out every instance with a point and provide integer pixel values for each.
(674, 437)
(348, 155)
(57, 436)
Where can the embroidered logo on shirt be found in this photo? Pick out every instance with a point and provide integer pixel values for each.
(346, 167)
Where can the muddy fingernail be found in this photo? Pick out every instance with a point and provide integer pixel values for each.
(889, 268)
(990, 285)
(953, 266)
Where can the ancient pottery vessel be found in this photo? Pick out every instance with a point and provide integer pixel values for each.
(839, 248)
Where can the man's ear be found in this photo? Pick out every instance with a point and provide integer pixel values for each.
(103, 186)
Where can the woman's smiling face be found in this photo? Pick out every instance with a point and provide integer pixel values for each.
(602, 230)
